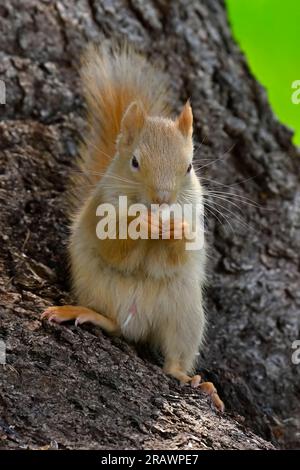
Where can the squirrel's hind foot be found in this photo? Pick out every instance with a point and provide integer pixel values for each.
(207, 388)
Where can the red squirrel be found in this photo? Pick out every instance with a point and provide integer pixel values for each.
(144, 289)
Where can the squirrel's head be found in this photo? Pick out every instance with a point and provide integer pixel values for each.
(156, 154)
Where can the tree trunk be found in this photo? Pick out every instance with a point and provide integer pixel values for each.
(71, 387)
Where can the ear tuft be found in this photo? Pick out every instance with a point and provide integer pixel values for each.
(184, 121)
(132, 123)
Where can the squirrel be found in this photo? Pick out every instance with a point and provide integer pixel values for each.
(147, 290)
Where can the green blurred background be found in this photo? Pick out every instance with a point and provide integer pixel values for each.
(268, 31)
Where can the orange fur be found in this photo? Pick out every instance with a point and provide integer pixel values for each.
(112, 80)
(185, 120)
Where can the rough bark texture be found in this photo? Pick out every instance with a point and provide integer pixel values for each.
(75, 387)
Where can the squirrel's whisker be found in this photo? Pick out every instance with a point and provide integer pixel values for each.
(212, 208)
(198, 147)
(228, 198)
(90, 143)
(232, 184)
(218, 159)
(234, 215)
(211, 211)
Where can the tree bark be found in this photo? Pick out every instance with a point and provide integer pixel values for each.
(68, 387)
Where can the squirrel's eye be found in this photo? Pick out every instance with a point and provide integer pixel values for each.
(189, 168)
(134, 162)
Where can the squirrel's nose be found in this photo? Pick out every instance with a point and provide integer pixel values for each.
(163, 197)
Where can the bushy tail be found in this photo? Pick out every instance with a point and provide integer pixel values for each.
(112, 78)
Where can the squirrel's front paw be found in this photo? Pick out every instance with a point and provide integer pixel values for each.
(59, 314)
(70, 312)
(80, 315)
(170, 229)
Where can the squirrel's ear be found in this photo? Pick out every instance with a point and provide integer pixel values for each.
(132, 123)
(184, 121)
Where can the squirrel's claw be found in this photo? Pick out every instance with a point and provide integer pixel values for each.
(52, 315)
(84, 318)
